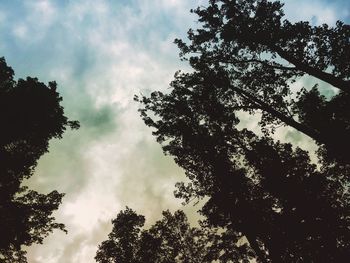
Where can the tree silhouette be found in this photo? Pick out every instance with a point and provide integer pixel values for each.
(31, 115)
(169, 240)
(286, 207)
(244, 58)
(258, 55)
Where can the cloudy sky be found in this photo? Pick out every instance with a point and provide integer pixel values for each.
(101, 53)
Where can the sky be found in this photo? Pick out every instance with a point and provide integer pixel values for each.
(101, 53)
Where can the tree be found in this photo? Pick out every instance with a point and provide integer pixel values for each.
(31, 115)
(288, 209)
(266, 190)
(169, 240)
(122, 243)
(258, 54)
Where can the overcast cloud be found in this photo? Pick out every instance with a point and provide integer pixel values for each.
(101, 53)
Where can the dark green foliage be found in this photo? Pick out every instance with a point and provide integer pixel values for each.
(331, 118)
(257, 55)
(123, 240)
(263, 189)
(245, 58)
(31, 115)
(169, 240)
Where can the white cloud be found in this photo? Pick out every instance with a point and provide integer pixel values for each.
(121, 55)
(20, 31)
(43, 11)
(318, 12)
(35, 24)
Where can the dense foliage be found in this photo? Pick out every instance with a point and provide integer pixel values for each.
(246, 58)
(31, 115)
(257, 55)
(169, 240)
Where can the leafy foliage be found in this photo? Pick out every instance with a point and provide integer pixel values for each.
(245, 58)
(31, 115)
(261, 188)
(258, 55)
(169, 240)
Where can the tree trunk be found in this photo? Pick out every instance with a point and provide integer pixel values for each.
(282, 117)
(339, 83)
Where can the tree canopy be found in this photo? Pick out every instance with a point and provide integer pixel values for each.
(31, 115)
(256, 55)
(245, 57)
(267, 190)
(169, 240)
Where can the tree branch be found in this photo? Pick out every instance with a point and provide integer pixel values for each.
(339, 83)
(265, 63)
(287, 120)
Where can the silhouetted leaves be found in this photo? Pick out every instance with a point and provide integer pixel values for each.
(31, 115)
(257, 55)
(245, 58)
(169, 240)
(266, 190)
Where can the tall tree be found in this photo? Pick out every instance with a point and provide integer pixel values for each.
(286, 207)
(31, 115)
(259, 54)
(244, 58)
